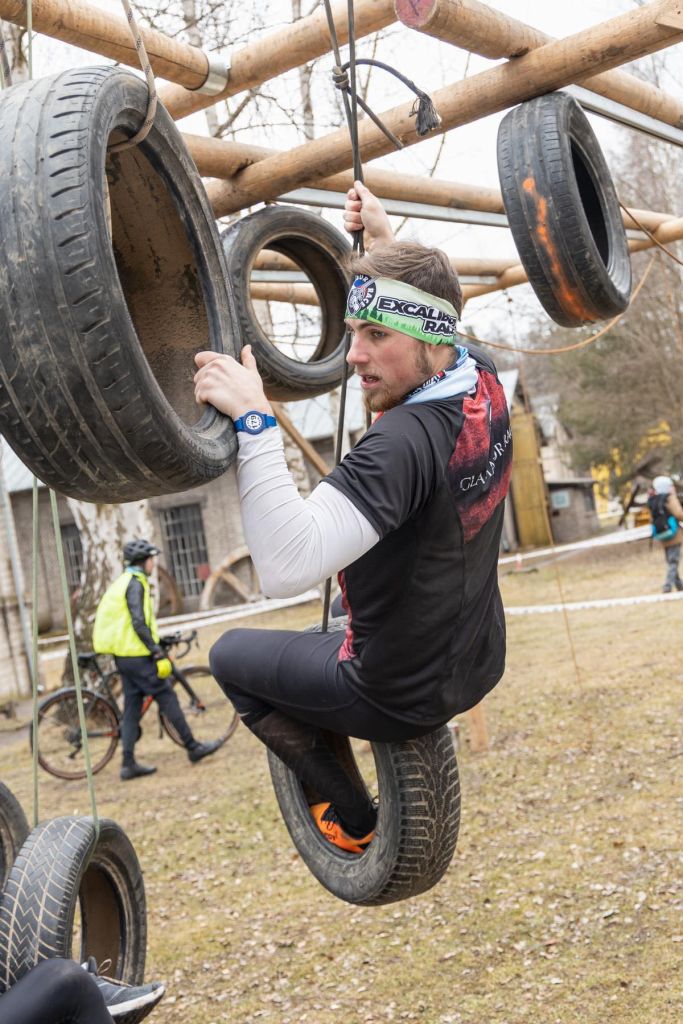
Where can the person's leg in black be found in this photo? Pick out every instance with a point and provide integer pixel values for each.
(164, 694)
(288, 687)
(133, 697)
(54, 992)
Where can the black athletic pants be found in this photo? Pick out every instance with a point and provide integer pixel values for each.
(54, 992)
(140, 679)
(299, 673)
(289, 689)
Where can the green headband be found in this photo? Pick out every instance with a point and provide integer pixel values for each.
(402, 308)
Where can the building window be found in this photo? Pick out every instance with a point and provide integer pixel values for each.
(185, 547)
(560, 499)
(73, 555)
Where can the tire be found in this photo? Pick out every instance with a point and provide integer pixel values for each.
(99, 326)
(60, 751)
(563, 211)
(319, 249)
(216, 719)
(64, 864)
(13, 830)
(417, 822)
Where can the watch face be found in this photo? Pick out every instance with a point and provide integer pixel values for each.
(253, 421)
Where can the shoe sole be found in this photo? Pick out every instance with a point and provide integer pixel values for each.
(134, 1010)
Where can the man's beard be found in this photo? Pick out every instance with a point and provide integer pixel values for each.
(387, 398)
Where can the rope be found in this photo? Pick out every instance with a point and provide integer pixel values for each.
(650, 235)
(34, 650)
(425, 113)
(146, 125)
(74, 657)
(565, 348)
(351, 111)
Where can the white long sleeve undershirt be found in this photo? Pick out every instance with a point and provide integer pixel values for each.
(294, 542)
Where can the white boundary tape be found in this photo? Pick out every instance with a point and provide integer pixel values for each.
(619, 537)
(195, 620)
(577, 606)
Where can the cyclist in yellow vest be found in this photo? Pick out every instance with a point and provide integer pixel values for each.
(125, 626)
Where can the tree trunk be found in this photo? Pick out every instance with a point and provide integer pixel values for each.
(15, 679)
(104, 529)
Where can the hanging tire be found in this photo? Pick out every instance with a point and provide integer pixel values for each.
(106, 293)
(417, 822)
(319, 249)
(64, 864)
(13, 830)
(563, 210)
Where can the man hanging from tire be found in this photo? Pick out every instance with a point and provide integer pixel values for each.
(125, 626)
(411, 520)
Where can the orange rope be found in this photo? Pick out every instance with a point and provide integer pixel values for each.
(650, 235)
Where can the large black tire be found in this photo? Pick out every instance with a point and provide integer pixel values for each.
(417, 822)
(64, 864)
(563, 210)
(13, 830)
(319, 249)
(99, 323)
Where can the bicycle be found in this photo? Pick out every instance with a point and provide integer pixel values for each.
(60, 740)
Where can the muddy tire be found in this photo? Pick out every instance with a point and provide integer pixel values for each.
(417, 822)
(64, 864)
(319, 249)
(13, 830)
(563, 211)
(111, 278)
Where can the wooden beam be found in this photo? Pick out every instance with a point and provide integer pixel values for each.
(670, 231)
(82, 24)
(307, 448)
(549, 67)
(478, 733)
(220, 159)
(274, 291)
(480, 29)
(289, 47)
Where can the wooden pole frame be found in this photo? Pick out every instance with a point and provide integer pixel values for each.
(219, 159)
(474, 26)
(542, 70)
(91, 28)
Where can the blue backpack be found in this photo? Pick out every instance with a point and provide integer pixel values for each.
(664, 526)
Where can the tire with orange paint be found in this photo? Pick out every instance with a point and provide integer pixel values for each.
(563, 211)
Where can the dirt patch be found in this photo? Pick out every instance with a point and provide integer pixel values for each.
(563, 903)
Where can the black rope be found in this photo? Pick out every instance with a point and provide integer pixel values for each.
(425, 113)
(351, 100)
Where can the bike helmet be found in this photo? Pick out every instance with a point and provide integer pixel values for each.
(138, 550)
(663, 485)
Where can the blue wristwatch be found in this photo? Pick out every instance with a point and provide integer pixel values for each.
(255, 422)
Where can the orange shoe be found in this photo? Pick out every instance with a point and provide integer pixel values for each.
(327, 821)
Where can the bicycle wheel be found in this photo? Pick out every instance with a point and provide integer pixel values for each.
(209, 713)
(60, 740)
(112, 686)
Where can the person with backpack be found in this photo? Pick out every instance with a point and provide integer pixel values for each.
(667, 515)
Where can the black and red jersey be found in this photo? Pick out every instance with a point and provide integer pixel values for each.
(426, 633)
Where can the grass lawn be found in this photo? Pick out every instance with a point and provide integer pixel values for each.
(564, 899)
